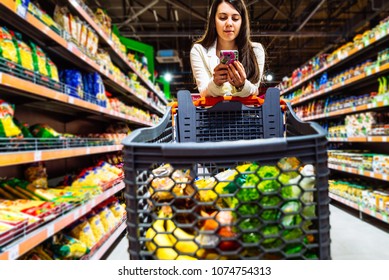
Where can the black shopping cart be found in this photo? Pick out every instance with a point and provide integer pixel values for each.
(228, 178)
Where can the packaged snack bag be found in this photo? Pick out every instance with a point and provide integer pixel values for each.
(7, 126)
(83, 232)
(8, 49)
(73, 78)
(52, 69)
(39, 58)
(97, 226)
(43, 131)
(107, 218)
(25, 52)
(67, 247)
(36, 175)
(24, 127)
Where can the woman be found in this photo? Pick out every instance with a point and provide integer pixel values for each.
(228, 29)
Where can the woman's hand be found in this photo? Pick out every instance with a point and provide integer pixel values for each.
(236, 74)
(220, 74)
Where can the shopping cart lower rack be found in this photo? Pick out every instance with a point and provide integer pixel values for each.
(228, 181)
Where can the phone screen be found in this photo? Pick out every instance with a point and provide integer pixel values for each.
(228, 56)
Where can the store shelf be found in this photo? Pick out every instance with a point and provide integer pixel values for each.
(368, 139)
(339, 62)
(361, 172)
(46, 36)
(360, 108)
(370, 212)
(116, 55)
(18, 85)
(23, 244)
(99, 253)
(15, 158)
(354, 80)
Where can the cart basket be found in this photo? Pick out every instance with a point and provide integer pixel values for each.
(228, 181)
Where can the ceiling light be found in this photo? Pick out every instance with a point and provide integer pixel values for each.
(168, 77)
(269, 77)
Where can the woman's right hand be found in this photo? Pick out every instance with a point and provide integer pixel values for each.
(220, 74)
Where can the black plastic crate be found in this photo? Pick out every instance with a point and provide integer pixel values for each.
(247, 199)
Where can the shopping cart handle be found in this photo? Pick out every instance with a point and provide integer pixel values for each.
(250, 100)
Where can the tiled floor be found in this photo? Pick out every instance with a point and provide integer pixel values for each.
(351, 239)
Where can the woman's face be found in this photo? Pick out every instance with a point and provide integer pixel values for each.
(228, 22)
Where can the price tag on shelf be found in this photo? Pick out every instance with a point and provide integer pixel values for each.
(93, 202)
(386, 102)
(13, 252)
(74, 3)
(385, 218)
(1, 77)
(71, 47)
(343, 168)
(88, 151)
(377, 69)
(375, 104)
(385, 177)
(50, 230)
(71, 99)
(384, 139)
(37, 155)
(110, 42)
(101, 109)
(83, 210)
(21, 10)
(373, 213)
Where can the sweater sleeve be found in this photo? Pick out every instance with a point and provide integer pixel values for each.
(202, 74)
(250, 88)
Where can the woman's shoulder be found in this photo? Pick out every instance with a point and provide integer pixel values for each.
(257, 46)
(197, 47)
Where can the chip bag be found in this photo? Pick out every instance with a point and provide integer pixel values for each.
(67, 247)
(8, 128)
(83, 232)
(8, 49)
(25, 52)
(40, 60)
(96, 226)
(43, 131)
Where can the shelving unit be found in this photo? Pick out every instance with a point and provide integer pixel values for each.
(69, 51)
(68, 113)
(25, 243)
(364, 83)
(116, 55)
(362, 210)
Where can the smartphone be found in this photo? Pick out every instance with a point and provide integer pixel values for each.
(228, 56)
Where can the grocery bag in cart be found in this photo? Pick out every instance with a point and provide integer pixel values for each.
(228, 178)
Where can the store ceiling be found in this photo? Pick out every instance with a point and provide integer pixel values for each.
(292, 31)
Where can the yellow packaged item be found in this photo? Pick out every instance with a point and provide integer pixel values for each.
(117, 209)
(8, 128)
(8, 49)
(97, 226)
(40, 60)
(52, 69)
(83, 232)
(107, 218)
(67, 247)
(25, 53)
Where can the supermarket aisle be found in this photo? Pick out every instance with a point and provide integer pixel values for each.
(352, 239)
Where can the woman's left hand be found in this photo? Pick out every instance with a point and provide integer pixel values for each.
(236, 74)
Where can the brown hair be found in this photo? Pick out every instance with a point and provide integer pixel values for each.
(246, 52)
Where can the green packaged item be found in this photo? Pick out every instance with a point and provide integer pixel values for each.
(8, 128)
(43, 131)
(39, 58)
(24, 51)
(52, 69)
(24, 127)
(67, 247)
(8, 50)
